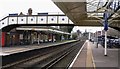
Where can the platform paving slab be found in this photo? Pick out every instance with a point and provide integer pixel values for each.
(105, 62)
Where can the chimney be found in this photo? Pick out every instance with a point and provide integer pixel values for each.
(30, 11)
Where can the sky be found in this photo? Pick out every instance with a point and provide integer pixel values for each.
(16, 6)
(88, 29)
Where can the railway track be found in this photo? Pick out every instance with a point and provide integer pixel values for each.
(58, 56)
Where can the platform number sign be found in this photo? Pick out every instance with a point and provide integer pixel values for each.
(105, 21)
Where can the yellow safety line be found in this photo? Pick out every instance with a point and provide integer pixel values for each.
(93, 60)
(89, 58)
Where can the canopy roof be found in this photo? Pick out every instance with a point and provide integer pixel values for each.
(91, 12)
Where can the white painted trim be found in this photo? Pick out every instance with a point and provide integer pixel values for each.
(77, 55)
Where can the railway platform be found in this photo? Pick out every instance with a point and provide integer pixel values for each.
(91, 57)
(88, 57)
(17, 49)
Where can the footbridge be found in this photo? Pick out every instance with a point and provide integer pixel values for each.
(15, 20)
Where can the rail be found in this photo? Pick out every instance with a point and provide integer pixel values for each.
(48, 57)
(8, 62)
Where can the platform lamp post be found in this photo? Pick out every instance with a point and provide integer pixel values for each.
(96, 39)
(89, 37)
(105, 28)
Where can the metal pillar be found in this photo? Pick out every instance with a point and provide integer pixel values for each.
(51, 35)
(32, 40)
(89, 36)
(106, 15)
(96, 39)
(38, 38)
(105, 51)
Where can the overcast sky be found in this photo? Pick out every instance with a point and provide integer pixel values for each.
(17, 6)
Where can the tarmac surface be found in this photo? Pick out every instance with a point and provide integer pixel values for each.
(91, 57)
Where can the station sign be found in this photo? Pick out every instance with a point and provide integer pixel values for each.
(106, 15)
(105, 25)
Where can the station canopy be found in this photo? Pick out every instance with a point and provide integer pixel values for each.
(91, 12)
(42, 29)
